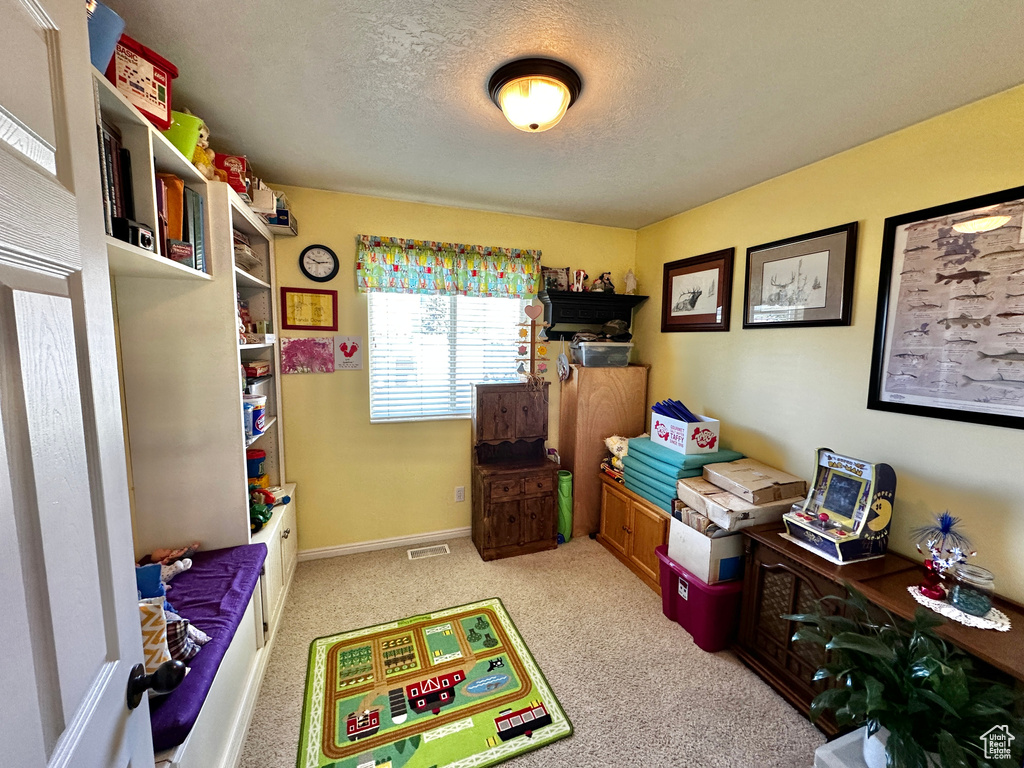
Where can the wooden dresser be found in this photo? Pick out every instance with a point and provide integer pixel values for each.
(782, 577)
(597, 403)
(631, 528)
(514, 485)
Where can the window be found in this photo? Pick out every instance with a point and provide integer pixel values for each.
(427, 351)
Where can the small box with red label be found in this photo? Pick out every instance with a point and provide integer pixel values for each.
(237, 169)
(144, 77)
(685, 437)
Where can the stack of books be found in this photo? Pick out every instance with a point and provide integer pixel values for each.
(180, 221)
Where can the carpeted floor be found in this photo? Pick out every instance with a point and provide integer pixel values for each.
(638, 691)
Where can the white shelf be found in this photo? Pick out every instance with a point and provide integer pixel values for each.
(267, 345)
(246, 220)
(166, 157)
(279, 230)
(128, 260)
(244, 279)
(268, 422)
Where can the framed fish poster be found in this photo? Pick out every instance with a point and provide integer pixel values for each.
(949, 332)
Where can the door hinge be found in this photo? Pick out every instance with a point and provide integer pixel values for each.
(263, 570)
(266, 627)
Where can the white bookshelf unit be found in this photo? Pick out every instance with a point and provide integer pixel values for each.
(180, 360)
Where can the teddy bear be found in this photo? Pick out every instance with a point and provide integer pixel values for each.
(202, 157)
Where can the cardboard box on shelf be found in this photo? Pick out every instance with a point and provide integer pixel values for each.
(753, 481)
(727, 510)
(712, 560)
(685, 437)
(237, 169)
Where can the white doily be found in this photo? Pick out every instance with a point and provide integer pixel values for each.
(994, 619)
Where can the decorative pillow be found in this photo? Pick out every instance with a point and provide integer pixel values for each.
(180, 645)
(154, 633)
(197, 635)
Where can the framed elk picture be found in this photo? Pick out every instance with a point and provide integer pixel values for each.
(697, 292)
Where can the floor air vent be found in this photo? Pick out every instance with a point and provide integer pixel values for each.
(421, 552)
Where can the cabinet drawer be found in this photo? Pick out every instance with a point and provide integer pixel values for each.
(534, 484)
(506, 489)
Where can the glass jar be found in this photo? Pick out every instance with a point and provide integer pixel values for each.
(973, 588)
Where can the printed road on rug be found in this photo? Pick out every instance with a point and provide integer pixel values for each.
(454, 688)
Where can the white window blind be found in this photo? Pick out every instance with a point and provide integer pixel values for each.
(427, 351)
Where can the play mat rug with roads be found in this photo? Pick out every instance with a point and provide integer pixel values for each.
(455, 688)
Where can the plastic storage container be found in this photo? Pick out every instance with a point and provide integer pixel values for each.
(602, 354)
(710, 614)
(184, 133)
(144, 77)
(105, 28)
(255, 460)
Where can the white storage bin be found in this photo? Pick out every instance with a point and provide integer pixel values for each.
(602, 354)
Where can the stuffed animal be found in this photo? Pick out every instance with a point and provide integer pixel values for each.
(168, 556)
(202, 157)
(604, 284)
(168, 572)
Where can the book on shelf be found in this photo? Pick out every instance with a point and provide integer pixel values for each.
(161, 214)
(193, 232)
(174, 197)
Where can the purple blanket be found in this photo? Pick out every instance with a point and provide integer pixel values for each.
(213, 595)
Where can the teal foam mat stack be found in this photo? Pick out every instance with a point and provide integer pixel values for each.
(651, 470)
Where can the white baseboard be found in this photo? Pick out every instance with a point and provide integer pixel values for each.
(397, 542)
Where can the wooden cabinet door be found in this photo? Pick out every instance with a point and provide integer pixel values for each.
(539, 520)
(615, 518)
(648, 530)
(503, 524)
(496, 416)
(532, 414)
(773, 586)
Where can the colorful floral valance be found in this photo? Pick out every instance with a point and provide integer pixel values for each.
(393, 265)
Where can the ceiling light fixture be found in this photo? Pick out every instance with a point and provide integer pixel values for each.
(980, 223)
(533, 94)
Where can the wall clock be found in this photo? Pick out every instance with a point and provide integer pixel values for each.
(318, 263)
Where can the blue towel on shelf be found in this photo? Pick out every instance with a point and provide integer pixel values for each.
(665, 486)
(659, 470)
(648, 448)
(652, 496)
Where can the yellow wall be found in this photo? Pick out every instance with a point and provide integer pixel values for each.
(782, 393)
(359, 481)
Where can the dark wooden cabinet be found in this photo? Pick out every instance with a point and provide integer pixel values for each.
(514, 485)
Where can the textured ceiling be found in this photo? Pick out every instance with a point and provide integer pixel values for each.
(682, 103)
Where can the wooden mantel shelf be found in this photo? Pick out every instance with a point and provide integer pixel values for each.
(586, 308)
(884, 582)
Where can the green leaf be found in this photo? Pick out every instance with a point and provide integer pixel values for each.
(862, 644)
(823, 673)
(934, 698)
(952, 754)
(832, 698)
(875, 695)
(810, 635)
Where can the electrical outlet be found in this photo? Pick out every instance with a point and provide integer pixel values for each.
(460, 493)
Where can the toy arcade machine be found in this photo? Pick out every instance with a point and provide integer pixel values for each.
(846, 515)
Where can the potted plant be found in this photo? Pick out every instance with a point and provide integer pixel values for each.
(917, 694)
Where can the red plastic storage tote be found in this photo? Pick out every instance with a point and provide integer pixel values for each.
(144, 77)
(709, 613)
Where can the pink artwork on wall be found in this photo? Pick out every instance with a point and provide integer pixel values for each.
(307, 355)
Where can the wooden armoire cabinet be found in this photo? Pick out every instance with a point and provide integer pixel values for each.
(596, 403)
(515, 486)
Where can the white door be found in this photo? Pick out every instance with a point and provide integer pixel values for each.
(69, 625)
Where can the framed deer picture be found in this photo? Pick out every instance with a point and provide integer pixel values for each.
(697, 293)
(801, 281)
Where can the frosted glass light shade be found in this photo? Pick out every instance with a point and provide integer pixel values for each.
(980, 224)
(534, 94)
(535, 103)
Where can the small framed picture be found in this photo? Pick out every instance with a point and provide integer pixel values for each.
(309, 309)
(697, 292)
(555, 278)
(949, 332)
(801, 281)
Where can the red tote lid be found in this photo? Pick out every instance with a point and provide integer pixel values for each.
(148, 53)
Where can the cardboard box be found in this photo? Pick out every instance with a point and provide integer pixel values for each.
(753, 481)
(237, 169)
(710, 560)
(727, 510)
(685, 437)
